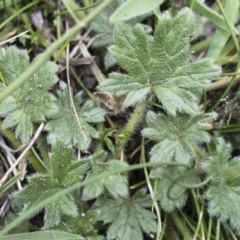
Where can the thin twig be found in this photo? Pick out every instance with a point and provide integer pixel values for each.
(8, 40)
(221, 83)
(3, 145)
(11, 159)
(155, 204)
(70, 93)
(4, 178)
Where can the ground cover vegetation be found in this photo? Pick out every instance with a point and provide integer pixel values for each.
(119, 119)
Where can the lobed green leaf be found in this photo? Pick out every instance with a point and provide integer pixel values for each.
(176, 137)
(84, 224)
(127, 217)
(116, 185)
(159, 66)
(224, 192)
(65, 127)
(65, 170)
(32, 102)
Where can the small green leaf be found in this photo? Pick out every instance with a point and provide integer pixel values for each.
(159, 66)
(65, 128)
(32, 102)
(127, 217)
(84, 224)
(13, 64)
(116, 185)
(224, 192)
(65, 170)
(176, 136)
(133, 8)
(109, 144)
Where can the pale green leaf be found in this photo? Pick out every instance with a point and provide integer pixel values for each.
(13, 64)
(133, 8)
(159, 66)
(65, 126)
(8, 108)
(24, 128)
(138, 220)
(116, 185)
(65, 170)
(32, 102)
(12, 119)
(102, 25)
(176, 136)
(136, 96)
(224, 192)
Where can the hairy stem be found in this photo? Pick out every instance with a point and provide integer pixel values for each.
(139, 110)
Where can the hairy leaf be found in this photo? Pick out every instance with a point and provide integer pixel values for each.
(30, 103)
(176, 136)
(65, 126)
(82, 225)
(116, 185)
(160, 66)
(65, 170)
(224, 192)
(128, 217)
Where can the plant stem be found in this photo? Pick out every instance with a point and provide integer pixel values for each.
(218, 230)
(209, 229)
(139, 110)
(155, 204)
(199, 223)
